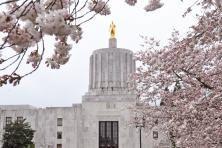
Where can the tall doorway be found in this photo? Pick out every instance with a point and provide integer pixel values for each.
(108, 134)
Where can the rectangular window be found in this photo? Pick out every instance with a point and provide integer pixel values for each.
(59, 121)
(110, 105)
(19, 119)
(155, 134)
(59, 145)
(8, 120)
(108, 134)
(59, 135)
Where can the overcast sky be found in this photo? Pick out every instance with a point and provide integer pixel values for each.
(67, 85)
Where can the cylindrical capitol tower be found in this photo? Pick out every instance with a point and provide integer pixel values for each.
(110, 68)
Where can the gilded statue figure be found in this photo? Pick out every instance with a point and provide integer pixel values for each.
(112, 30)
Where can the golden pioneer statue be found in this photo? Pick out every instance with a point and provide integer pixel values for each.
(112, 29)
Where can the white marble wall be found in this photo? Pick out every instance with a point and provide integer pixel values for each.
(44, 122)
(14, 112)
(107, 109)
(81, 123)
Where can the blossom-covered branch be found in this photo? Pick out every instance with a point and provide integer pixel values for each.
(185, 77)
(24, 24)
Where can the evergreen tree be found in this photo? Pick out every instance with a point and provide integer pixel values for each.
(18, 134)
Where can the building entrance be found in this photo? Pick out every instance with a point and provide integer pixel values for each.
(108, 134)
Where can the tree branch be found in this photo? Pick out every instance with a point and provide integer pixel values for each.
(94, 14)
(198, 79)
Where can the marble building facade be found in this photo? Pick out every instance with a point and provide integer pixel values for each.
(101, 120)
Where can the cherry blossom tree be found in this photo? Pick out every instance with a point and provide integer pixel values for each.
(186, 78)
(24, 25)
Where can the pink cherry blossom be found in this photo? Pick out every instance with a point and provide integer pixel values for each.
(185, 77)
(24, 25)
(131, 2)
(99, 7)
(153, 5)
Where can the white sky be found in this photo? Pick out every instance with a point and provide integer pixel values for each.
(67, 85)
